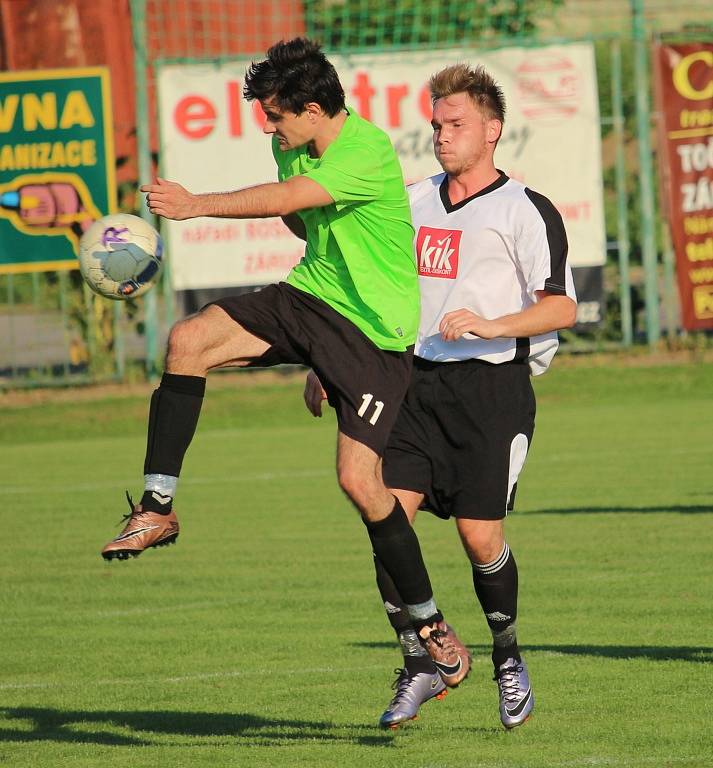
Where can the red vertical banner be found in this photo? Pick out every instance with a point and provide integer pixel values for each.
(685, 102)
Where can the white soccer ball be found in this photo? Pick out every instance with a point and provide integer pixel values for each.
(120, 256)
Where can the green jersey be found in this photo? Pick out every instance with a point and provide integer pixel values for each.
(359, 254)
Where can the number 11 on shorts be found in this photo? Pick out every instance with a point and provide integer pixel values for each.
(365, 403)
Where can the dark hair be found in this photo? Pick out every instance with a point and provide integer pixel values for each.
(477, 83)
(295, 73)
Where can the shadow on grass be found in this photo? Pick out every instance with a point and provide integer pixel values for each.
(76, 726)
(700, 655)
(679, 509)
(651, 652)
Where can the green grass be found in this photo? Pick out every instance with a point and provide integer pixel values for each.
(259, 640)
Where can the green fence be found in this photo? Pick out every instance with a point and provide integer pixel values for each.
(53, 332)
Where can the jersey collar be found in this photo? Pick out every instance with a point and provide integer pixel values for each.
(443, 190)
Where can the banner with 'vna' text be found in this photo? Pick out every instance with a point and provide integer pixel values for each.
(57, 172)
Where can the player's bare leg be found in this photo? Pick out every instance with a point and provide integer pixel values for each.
(396, 547)
(210, 339)
(207, 340)
(418, 681)
(495, 582)
(393, 539)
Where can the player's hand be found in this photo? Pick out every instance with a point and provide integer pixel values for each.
(170, 200)
(314, 394)
(454, 325)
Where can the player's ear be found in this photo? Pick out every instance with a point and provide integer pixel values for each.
(314, 111)
(493, 130)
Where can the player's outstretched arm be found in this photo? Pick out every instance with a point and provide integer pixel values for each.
(173, 201)
(552, 312)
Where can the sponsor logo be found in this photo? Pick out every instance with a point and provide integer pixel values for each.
(437, 252)
(137, 532)
(515, 711)
(114, 235)
(391, 608)
(497, 616)
(160, 498)
(449, 669)
(549, 87)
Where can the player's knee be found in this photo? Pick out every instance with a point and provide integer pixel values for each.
(183, 342)
(481, 552)
(483, 542)
(348, 478)
(356, 484)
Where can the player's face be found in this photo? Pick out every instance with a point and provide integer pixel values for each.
(291, 130)
(463, 138)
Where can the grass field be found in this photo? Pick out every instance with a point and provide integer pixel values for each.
(259, 640)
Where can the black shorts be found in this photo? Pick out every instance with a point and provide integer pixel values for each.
(364, 384)
(461, 437)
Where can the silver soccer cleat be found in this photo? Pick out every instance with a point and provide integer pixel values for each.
(411, 692)
(516, 697)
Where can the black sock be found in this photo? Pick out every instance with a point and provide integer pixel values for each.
(173, 417)
(396, 610)
(396, 546)
(153, 501)
(414, 665)
(416, 658)
(496, 587)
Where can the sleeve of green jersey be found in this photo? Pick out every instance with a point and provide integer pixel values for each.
(355, 174)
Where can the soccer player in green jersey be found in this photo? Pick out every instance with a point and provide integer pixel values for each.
(349, 309)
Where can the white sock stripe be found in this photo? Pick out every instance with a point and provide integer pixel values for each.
(496, 565)
(420, 611)
(164, 484)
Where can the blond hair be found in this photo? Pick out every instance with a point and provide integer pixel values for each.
(477, 83)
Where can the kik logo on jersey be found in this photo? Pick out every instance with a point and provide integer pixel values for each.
(437, 252)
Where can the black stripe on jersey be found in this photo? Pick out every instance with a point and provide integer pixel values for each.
(450, 207)
(522, 348)
(556, 239)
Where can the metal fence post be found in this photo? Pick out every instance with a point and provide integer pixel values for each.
(138, 24)
(621, 197)
(646, 176)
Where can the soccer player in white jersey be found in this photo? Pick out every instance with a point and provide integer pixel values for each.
(495, 288)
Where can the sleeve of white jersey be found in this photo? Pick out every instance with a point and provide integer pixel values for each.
(420, 189)
(542, 248)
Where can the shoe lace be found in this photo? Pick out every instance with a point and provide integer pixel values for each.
(444, 640)
(131, 509)
(400, 685)
(439, 637)
(509, 683)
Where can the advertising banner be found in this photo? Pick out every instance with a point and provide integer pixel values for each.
(211, 140)
(685, 102)
(56, 164)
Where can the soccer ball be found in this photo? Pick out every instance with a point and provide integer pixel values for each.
(120, 256)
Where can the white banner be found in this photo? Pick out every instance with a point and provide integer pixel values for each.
(211, 140)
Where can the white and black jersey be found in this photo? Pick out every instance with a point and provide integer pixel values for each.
(489, 253)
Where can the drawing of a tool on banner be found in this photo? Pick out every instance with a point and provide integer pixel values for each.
(49, 204)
